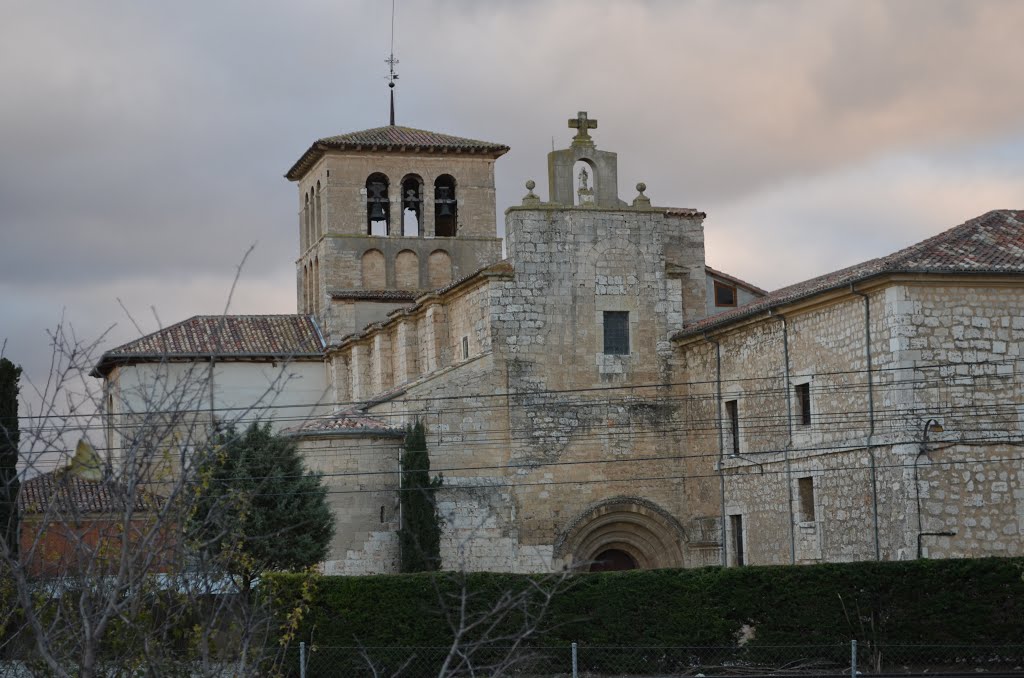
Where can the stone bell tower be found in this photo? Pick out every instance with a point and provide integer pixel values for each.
(387, 214)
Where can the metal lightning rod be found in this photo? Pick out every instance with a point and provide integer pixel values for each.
(391, 61)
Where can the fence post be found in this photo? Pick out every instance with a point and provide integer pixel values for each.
(302, 659)
(853, 659)
(575, 665)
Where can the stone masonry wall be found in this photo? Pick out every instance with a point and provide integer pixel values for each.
(805, 492)
(362, 484)
(579, 436)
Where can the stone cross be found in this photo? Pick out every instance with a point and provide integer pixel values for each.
(582, 123)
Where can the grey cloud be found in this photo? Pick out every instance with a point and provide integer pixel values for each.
(143, 144)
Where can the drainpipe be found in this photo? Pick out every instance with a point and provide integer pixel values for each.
(401, 516)
(721, 443)
(871, 417)
(789, 445)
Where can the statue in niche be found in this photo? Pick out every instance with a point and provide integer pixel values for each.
(585, 193)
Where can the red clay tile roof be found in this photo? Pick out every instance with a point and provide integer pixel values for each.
(352, 422)
(395, 139)
(224, 336)
(62, 493)
(376, 295)
(990, 244)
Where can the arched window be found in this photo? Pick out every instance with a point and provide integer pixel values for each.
(407, 270)
(304, 221)
(439, 269)
(316, 285)
(378, 206)
(305, 288)
(412, 205)
(374, 271)
(445, 207)
(319, 214)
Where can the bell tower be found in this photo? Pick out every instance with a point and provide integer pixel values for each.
(387, 214)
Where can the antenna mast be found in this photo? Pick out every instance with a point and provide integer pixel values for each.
(391, 61)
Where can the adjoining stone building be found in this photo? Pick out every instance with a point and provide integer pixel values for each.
(601, 396)
(874, 412)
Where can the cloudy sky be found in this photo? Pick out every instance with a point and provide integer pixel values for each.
(143, 144)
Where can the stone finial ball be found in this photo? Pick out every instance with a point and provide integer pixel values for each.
(530, 184)
(641, 187)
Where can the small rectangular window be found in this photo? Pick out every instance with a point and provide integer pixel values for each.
(465, 347)
(737, 539)
(805, 486)
(803, 404)
(732, 418)
(725, 295)
(616, 332)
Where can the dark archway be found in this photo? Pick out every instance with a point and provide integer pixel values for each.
(412, 205)
(446, 207)
(646, 534)
(378, 205)
(613, 560)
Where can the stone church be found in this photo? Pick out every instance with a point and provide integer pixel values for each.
(599, 396)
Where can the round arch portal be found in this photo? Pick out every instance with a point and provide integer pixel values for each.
(630, 532)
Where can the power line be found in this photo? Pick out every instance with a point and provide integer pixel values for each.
(525, 393)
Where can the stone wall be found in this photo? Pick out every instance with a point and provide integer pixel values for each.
(361, 475)
(580, 437)
(815, 491)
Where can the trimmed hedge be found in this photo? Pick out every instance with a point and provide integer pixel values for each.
(935, 602)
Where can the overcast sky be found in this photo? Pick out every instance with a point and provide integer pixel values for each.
(142, 145)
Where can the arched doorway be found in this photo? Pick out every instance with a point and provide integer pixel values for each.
(612, 560)
(622, 533)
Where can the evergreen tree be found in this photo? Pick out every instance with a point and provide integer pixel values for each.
(258, 508)
(9, 436)
(420, 534)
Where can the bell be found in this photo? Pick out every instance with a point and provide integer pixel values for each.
(377, 212)
(445, 209)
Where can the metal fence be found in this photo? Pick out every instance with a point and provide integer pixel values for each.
(587, 661)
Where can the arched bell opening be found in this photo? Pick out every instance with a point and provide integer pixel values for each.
(412, 205)
(446, 207)
(378, 205)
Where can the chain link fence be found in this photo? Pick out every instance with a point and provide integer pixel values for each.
(586, 661)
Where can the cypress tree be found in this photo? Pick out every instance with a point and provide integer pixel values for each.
(9, 436)
(420, 534)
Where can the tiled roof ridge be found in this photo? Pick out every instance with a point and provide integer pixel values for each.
(390, 137)
(226, 335)
(349, 420)
(906, 260)
(210, 316)
(398, 295)
(202, 316)
(38, 494)
(438, 138)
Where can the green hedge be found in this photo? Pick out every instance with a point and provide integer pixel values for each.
(935, 602)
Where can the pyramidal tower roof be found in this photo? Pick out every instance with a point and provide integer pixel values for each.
(394, 139)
